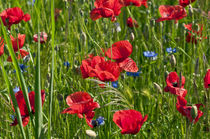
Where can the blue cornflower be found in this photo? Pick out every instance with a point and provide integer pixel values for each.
(31, 3)
(150, 54)
(115, 84)
(98, 122)
(16, 89)
(67, 64)
(12, 117)
(171, 50)
(22, 68)
(134, 74)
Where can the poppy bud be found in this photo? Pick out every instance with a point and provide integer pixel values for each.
(157, 87)
(197, 67)
(83, 38)
(173, 61)
(91, 133)
(132, 36)
(190, 10)
(204, 58)
(194, 112)
(166, 74)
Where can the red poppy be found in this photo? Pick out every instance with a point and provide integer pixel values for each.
(23, 108)
(120, 51)
(22, 54)
(18, 42)
(184, 3)
(185, 110)
(207, 79)
(137, 3)
(106, 9)
(173, 84)
(14, 15)
(57, 13)
(43, 37)
(132, 22)
(171, 12)
(99, 68)
(1, 46)
(81, 103)
(193, 36)
(129, 121)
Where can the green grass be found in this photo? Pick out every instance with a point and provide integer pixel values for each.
(72, 37)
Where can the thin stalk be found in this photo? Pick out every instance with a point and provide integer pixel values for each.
(52, 70)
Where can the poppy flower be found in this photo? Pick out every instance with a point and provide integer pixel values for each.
(193, 35)
(120, 51)
(43, 37)
(129, 121)
(81, 103)
(136, 3)
(132, 22)
(1, 46)
(171, 12)
(18, 42)
(22, 54)
(23, 108)
(207, 79)
(173, 84)
(184, 3)
(57, 13)
(106, 9)
(99, 68)
(12, 16)
(185, 110)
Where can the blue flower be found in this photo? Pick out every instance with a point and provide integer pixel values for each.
(31, 3)
(170, 50)
(134, 74)
(12, 117)
(150, 54)
(98, 122)
(115, 84)
(22, 68)
(67, 64)
(16, 89)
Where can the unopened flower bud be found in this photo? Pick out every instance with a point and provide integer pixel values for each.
(157, 87)
(173, 61)
(91, 133)
(194, 112)
(190, 11)
(132, 36)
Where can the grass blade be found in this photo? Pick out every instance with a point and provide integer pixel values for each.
(52, 69)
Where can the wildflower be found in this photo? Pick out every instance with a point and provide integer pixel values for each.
(43, 37)
(99, 68)
(12, 16)
(22, 54)
(184, 3)
(152, 55)
(31, 2)
(106, 9)
(118, 28)
(17, 43)
(193, 36)
(16, 89)
(129, 121)
(67, 64)
(207, 79)
(171, 12)
(23, 108)
(120, 51)
(173, 85)
(136, 3)
(1, 46)
(98, 122)
(81, 103)
(22, 68)
(171, 50)
(132, 22)
(115, 84)
(187, 111)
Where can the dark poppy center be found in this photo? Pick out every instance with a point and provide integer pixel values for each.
(175, 84)
(209, 85)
